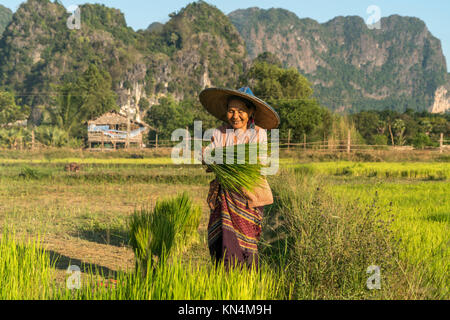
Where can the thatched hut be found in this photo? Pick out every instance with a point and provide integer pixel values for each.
(115, 129)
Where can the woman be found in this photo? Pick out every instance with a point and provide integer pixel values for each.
(234, 227)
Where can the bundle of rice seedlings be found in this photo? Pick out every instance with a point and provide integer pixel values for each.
(153, 234)
(240, 172)
(185, 217)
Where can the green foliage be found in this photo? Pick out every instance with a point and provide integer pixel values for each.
(238, 167)
(143, 104)
(406, 127)
(26, 270)
(153, 234)
(84, 99)
(421, 140)
(379, 139)
(9, 111)
(271, 82)
(52, 136)
(300, 115)
(323, 245)
(203, 17)
(269, 58)
(32, 173)
(289, 92)
(170, 115)
(5, 18)
(368, 124)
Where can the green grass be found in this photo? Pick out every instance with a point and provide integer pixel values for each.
(93, 206)
(26, 272)
(183, 280)
(421, 216)
(411, 170)
(324, 245)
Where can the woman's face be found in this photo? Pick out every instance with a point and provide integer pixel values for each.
(238, 114)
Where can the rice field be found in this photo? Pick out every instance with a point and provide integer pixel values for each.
(51, 219)
(410, 170)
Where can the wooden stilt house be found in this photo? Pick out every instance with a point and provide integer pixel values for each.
(113, 130)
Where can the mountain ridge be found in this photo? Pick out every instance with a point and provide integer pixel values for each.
(348, 63)
(5, 17)
(200, 47)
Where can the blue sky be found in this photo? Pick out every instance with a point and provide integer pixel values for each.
(140, 13)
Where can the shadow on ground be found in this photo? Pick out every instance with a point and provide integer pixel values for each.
(115, 236)
(63, 262)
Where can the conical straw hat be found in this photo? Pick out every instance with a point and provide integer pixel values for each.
(215, 102)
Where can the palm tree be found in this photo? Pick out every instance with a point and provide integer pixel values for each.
(51, 136)
(9, 137)
(399, 127)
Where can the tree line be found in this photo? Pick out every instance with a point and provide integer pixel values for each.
(85, 97)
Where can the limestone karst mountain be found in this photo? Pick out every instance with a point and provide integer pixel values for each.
(352, 67)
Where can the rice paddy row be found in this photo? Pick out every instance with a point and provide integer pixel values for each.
(149, 171)
(410, 170)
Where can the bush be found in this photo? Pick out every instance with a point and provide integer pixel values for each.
(325, 246)
(33, 173)
(380, 140)
(421, 140)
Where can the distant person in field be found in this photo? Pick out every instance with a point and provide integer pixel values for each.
(235, 222)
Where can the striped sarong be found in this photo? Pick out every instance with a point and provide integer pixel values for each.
(234, 229)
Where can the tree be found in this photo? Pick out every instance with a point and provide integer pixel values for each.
(52, 136)
(380, 139)
(421, 140)
(288, 92)
(143, 104)
(88, 97)
(399, 129)
(389, 116)
(9, 111)
(168, 116)
(271, 82)
(300, 115)
(269, 58)
(368, 124)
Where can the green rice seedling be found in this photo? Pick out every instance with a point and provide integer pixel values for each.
(180, 280)
(238, 173)
(151, 236)
(411, 170)
(26, 271)
(184, 215)
(170, 224)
